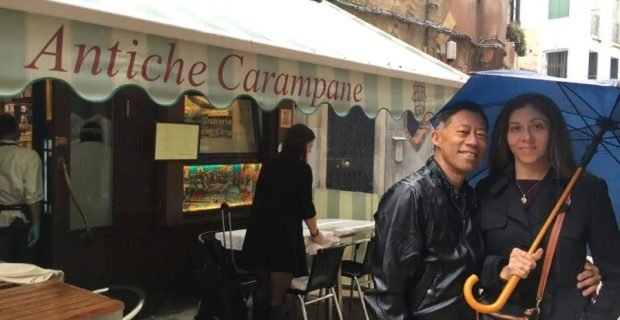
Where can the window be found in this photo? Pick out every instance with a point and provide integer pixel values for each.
(230, 130)
(615, 25)
(558, 8)
(595, 20)
(91, 162)
(592, 65)
(613, 68)
(556, 63)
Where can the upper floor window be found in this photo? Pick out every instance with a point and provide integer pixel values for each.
(559, 8)
(557, 63)
(615, 22)
(593, 65)
(595, 20)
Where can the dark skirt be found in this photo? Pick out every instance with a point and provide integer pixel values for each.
(274, 246)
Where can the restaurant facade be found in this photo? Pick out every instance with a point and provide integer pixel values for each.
(185, 102)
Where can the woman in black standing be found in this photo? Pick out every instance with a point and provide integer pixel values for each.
(274, 243)
(530, 164)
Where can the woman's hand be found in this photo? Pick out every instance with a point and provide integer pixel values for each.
(319, 238)
(520, 263)
(589, 279)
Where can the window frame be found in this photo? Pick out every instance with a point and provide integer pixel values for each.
(561, 66)
(558, 9)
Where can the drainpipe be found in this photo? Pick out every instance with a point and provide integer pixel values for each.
(426, 27)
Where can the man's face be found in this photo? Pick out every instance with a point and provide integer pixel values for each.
(460, 143)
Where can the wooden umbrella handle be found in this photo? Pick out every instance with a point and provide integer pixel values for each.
(499, 303)
(510, 286)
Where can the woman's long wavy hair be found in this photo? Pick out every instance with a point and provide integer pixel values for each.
(559, 151)
(296, 139)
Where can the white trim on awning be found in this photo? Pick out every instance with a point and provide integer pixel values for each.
(291, 36)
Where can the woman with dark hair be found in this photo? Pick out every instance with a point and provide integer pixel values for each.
(274, 243)
(531, 162)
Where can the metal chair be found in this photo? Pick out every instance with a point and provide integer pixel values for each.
(127, 294)
(323, 275)
(246, 278)
(221, 289)
(355, 270)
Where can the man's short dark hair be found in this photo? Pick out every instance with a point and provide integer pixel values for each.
(445, 115)
(8, 125)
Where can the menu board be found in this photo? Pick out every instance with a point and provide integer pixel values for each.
(176, 141)
(206, 187)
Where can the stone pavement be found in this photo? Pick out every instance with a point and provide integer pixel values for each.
(187, 309)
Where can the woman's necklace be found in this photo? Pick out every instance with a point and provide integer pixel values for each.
(524, 194)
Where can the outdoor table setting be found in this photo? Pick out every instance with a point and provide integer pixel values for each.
(333, 230)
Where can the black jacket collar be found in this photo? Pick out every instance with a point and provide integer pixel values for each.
(507, 177)
(441, 176)
(541, 206)
(462, 199)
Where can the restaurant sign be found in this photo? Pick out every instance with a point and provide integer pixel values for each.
(97, 60)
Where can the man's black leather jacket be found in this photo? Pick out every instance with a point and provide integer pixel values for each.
(426, 246)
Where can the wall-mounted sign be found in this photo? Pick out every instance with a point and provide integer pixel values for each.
(217, 124)
(286, 118)
(206, 187)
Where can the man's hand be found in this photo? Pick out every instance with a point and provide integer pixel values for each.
(33, 234)
(589, 279)
(520, 263)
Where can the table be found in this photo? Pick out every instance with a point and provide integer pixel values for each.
(56, 300)
(345, 227)
(331, 229)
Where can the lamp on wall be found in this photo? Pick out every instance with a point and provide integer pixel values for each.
(451, 51)
(399, 146)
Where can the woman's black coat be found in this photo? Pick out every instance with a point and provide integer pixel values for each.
(506, 224)
(283, 199)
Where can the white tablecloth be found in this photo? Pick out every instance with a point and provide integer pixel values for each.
(24, 273)
(332, 230)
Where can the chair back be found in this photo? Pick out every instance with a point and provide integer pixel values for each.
(368, 257)
(129, 295)
(219, 288)
(325, 268)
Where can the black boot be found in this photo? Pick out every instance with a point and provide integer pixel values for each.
(277, 312)
(260, 309)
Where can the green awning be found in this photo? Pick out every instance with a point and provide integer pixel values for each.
(310, 52)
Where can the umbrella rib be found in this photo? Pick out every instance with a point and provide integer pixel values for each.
(610, 153)
(564, 88)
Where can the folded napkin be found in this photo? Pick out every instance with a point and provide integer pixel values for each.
(312, 247)
(23, 273)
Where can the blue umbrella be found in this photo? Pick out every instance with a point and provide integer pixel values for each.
(590, 109)
(592, 114)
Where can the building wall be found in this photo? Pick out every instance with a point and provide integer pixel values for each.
(477, 26)
(572, 33)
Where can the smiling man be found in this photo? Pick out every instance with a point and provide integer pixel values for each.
(426, 244)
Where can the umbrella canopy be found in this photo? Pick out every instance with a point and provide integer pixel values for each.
(590, 109)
